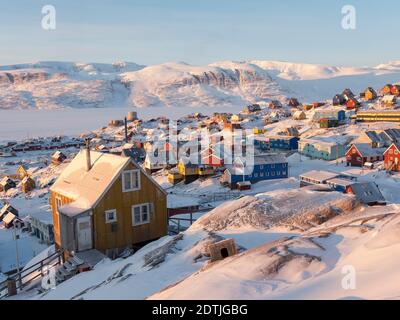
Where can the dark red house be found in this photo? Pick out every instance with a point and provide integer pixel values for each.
(360, 153)
(392, 157)
(293, 102)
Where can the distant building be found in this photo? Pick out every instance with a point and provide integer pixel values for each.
(27, 184)
(299, 115)
(58, 157)
(392, 157)
(317, 149)
(389, 100)
(338, 100)
(291, 131)
(348, 94)
(293, 102)
(360, 153)
(338, 114)
(378, 116)
(252, 108)
(387, 89)
(352, 103)
(332, 180)
(395, 90)
(367, 193)
(43, 230)
(370, 94)
(6, 184)
(265, 167)
(328, 123)
(275, 104)
(283, 142)
(7, 208)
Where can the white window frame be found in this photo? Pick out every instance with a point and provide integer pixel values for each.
(131, 172)
(58, 203)
(142, 222)
(114, 211)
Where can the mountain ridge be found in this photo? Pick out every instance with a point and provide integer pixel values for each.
(56, 84)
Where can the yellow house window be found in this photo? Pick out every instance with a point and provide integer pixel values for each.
(111, 216)
(130, 180)
(141, 213)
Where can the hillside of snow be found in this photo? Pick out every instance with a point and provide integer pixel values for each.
(54, 85)
(274, 262)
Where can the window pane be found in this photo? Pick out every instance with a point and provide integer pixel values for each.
(137, 214)
(135, 179)
(145, 217)
(127, 181)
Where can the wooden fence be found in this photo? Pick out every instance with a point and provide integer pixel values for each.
(27, 276)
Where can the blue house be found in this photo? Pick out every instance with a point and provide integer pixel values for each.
(284, 142)
(262, 143)
(264, 167)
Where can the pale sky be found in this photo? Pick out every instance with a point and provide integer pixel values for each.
(200, 31)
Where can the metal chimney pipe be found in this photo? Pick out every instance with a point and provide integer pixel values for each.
(88, 160)
(126, 130)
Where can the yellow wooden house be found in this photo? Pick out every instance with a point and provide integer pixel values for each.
(370, 94)
(106, 202)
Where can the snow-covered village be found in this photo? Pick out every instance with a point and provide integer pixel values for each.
(232, 180)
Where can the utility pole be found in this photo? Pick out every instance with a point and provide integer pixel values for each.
(16, 237)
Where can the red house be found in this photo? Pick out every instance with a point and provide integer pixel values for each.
(395, 90)
(360, 153)
(392, 157)
(210, 158)
(352, 103)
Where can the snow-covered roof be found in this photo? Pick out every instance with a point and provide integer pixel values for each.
(319, 175)
(340, 182)
(87, 187)
(367, 192)
(269, 159)
(318, 142)
(5, 180)
(281, 137)
(367, 151)
(9, 218)
(389, 98)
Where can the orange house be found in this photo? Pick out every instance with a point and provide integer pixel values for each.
(387, 89)
(370, 94)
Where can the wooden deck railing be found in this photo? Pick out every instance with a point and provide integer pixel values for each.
(28, 275)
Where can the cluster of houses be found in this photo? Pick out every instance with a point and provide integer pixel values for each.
(375, 146)
(54, 143)
(43, 230)
(22, 178)
(365, 192)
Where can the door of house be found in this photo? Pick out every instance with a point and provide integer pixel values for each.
(84, 228)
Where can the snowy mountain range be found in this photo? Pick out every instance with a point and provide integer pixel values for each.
(52, 85)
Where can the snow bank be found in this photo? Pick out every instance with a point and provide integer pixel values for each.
(297, 208)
